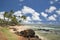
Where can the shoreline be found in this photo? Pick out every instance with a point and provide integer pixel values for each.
(22, 27)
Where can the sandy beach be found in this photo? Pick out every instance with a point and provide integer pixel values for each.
(22, 27)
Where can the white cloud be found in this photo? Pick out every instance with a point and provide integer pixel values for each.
(44, 14)
(28, 19)
(36, 18)
(26, 10)
(51, 9)
(18, 13)
(58, 11)
(1, 17)
(1, 13)
(53, 1)
(52, 17)
(35, 15)
(55, 15)
(25, 21)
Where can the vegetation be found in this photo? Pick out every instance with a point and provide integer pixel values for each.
(8, 35)
(10, 19)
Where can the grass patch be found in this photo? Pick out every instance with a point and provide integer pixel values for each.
(9, 35)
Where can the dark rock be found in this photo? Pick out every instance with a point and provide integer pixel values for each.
(25, 38)
(27, 33)
(36, 36)
(35, 39)
(23, 33)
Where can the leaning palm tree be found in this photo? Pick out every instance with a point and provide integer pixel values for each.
(5, 15)
(1, 22)
(21, 17)
(14, 20)
(10, 14)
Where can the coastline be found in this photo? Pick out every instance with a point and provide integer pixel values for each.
(22, 27)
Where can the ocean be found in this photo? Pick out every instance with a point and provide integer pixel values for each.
(55, 28)
(48, 31)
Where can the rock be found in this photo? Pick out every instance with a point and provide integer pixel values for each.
(36, 36)
(35, 39)
(27, 33)
(24, 38)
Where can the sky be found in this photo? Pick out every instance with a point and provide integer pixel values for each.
(36, 11)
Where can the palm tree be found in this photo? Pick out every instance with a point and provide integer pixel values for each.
(1, 22)
(14, 20)
(24, 17)
(10, 14)
(5, 15)
(21, 17)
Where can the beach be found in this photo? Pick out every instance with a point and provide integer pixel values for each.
(22, 27)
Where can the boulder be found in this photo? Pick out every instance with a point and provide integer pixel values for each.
(27, 33)
(25, 38)
(34, 39)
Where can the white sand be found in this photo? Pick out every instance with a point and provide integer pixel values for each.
(20, 28)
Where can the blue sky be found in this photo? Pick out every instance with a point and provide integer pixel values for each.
(47, 11)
